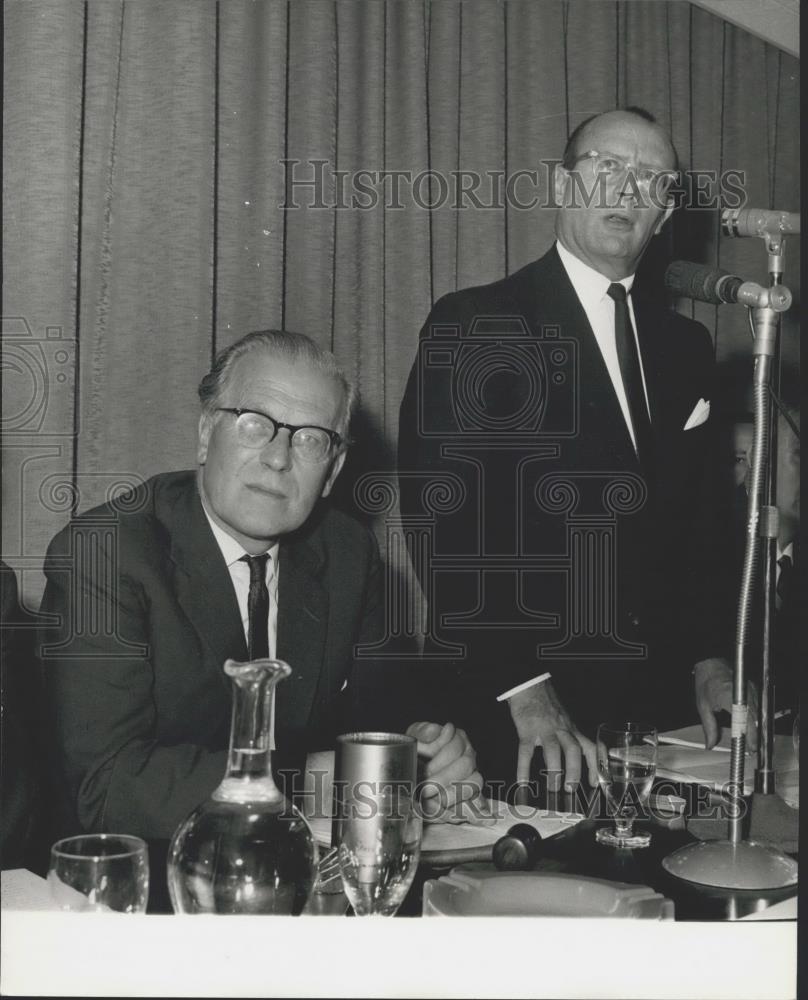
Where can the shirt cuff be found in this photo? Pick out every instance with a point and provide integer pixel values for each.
(523, 687)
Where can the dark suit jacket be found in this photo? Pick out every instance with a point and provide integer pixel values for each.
(24, 820)
(789, 639)
(148, 615)
(483, 408)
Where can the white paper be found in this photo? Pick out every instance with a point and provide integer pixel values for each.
(456, 836)
(708, 767)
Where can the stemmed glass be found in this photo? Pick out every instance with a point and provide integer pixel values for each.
(105, 872)
(788, 782)
(378, 850)
(626, 755)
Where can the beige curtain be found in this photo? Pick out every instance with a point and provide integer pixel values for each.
(144, 183)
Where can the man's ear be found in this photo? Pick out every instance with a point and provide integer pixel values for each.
(664, 219)
(333, 472)
(203, 437)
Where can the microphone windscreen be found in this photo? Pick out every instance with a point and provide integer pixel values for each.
(694, 281)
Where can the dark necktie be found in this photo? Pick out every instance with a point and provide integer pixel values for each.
(631, 372)
(258, 607)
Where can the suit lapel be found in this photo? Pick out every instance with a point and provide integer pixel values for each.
(202, 582)
(649, 354)
(598, 405)
(672, 394)
(302, 627)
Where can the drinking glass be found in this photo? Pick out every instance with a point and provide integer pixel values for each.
(788, 780)
(626, 754)
(103, 873)
(379, 847)
(377, 823)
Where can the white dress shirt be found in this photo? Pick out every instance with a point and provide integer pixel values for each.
(591, 287)
(239, 571)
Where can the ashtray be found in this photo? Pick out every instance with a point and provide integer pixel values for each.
(477, 891)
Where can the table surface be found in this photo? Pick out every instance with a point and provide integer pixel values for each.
(51, 953)
(576, 852)
(68, 954)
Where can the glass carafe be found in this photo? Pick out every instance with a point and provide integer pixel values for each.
(246, 849)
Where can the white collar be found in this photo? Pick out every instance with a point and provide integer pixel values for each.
(590, 285)
(787, 551)
(232, 550)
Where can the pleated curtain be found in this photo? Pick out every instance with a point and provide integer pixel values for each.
(151, 148)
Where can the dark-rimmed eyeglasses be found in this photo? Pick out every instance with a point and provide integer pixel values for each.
(309, 443)
(617, 168)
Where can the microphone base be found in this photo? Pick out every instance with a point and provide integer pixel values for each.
(723, 864)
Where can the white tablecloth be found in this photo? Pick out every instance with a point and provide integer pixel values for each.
(73, 954)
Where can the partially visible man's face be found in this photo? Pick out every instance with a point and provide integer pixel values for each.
(257, 495)
(788, 474)
(612, 233)
(788, 483)
(742, 436)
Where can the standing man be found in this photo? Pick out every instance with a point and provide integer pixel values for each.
(574, 411)
(240, 558)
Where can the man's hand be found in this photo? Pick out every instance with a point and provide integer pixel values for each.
(713, 683)
(451, 786)
(541, 720)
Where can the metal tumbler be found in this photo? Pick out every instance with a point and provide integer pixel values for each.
(371, 771)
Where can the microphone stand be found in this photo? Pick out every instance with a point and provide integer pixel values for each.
(769, 530)
(735, 863)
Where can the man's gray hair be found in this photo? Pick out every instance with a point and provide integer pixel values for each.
(296, 347)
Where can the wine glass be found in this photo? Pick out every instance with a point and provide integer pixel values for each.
(379, 847)
(626, 754)
(103, 872)
(788, 781)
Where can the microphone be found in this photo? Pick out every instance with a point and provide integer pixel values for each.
(711, 284)
(758, 222)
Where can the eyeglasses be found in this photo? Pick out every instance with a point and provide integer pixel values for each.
(256, 430)
(614, 167)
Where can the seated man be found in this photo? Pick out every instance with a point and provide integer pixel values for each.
(241, 558)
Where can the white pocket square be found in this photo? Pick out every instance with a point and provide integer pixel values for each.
(700, 413)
